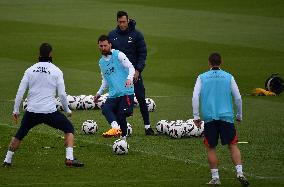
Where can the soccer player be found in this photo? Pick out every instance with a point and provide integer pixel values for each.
(216, 87)
(126, 38)
(117, 75)
(42, 80)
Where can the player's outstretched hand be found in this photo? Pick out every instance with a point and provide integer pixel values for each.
(197, 122)
(15, 117)
(96, 97)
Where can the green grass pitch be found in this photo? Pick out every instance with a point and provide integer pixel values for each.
(180, 35)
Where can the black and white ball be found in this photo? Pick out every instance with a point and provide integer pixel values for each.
(101, 101)
(120, 147)
(59, 104)
(161, 126)
(150, 104)
(88, 102)
(89, 127)
(73, 102)
(176, 131)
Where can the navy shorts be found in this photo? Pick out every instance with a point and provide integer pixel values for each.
(120, 105)
(56, 120)
(216, 128)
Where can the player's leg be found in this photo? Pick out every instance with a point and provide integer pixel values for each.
(109, 110)
(211, 136)
(59, 121)
(139, 90)
(126, 104)
(29, 121)
(229, 137)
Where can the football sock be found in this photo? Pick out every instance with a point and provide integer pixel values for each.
(114, 124)
(9, 156)
(69, 153)
(147, 126)
(215, 173)
(239, 169)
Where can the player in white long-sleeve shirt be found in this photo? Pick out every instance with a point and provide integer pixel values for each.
(214, 90)
(42, 80)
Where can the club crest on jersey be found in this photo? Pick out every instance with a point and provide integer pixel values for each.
(129, 39)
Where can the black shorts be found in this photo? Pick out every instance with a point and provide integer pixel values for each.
(216, 128)
(56, 120)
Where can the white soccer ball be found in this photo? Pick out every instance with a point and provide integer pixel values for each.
(150, 104)
(80, 100)
(88, 102)
(89, 127)
(25, 104)
(188, 127)
(176, 131)
(101, 101)
(73, 102)
(129, 129)
(161, 126)
(120, 147)
(195, 132)
(59, 104)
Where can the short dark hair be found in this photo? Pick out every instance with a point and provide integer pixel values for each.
(103, 38)
(120, 14)
(215, 59)
(45, 49)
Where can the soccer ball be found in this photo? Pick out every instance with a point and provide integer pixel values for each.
(73, 102)
(80, 100)
(59, 104)
(188, 127)
(161, 126)
(120, 147)
(101, 101)
(176, 131)
(129, 129)
(88, 102)
(150, 104)
(25, 104)
(89, 127)
(195, 132)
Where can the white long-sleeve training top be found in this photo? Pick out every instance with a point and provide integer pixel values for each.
(125, 63)
(235, 92)
(42, 80)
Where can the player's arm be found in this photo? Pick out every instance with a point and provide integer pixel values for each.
(195, 101)
(127, 64)
(237, 98)
(62, 94)
(19, 96)
(103, 86)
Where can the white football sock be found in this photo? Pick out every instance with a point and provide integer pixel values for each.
(239, 169)
(114, 124)
(69, 153)
(9, 156)
(147, 126)
(215, 173)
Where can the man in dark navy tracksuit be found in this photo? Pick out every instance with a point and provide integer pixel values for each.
(131, 42)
